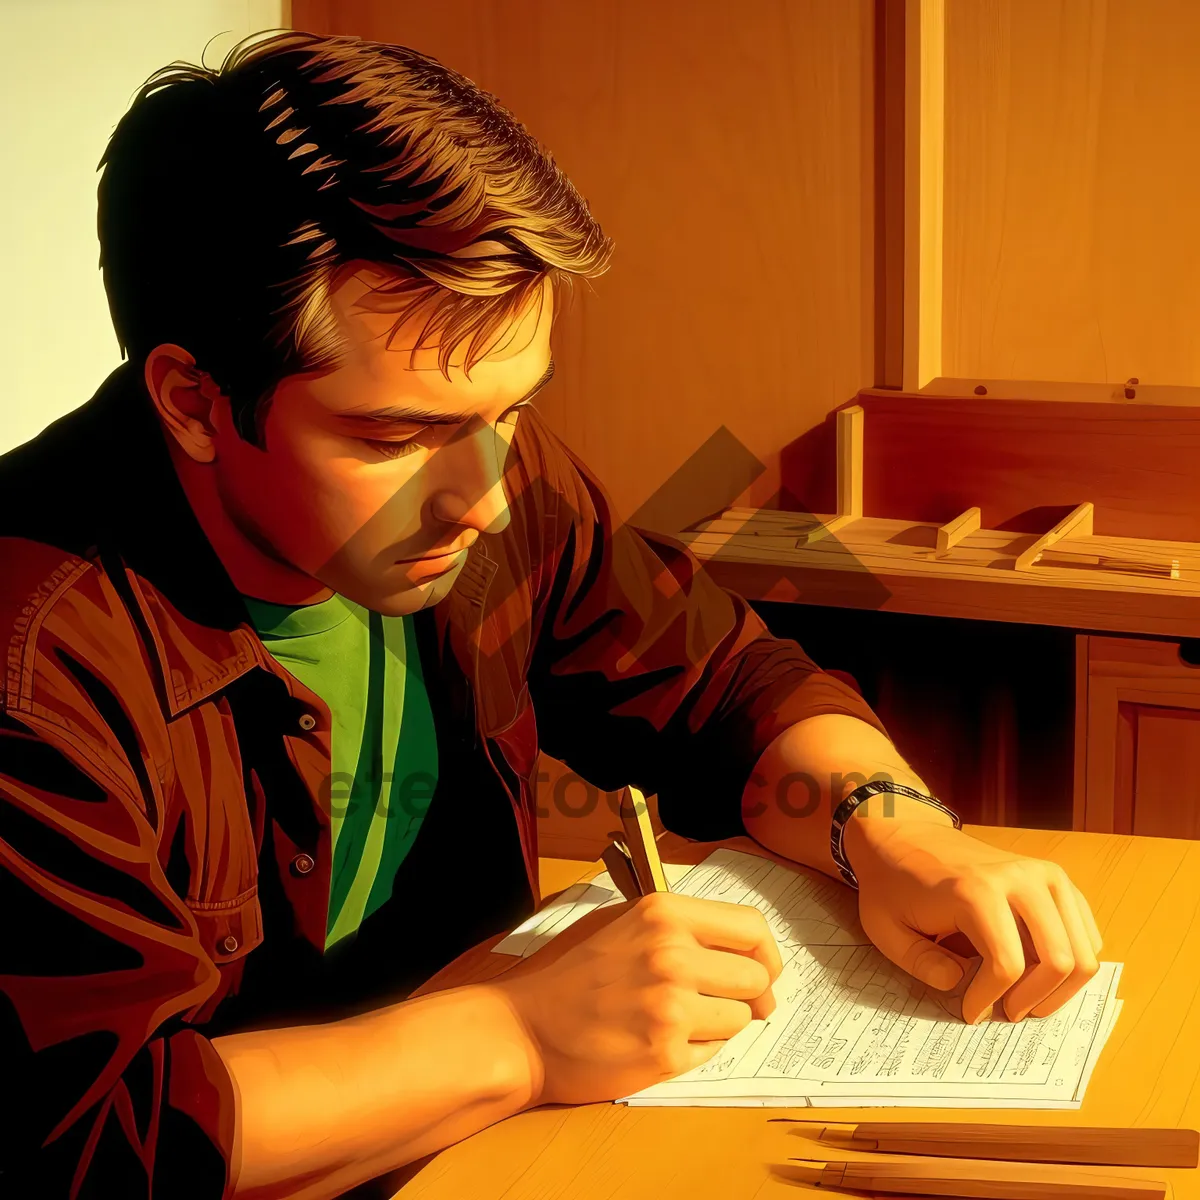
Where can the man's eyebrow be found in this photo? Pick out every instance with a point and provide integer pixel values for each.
(405, 415)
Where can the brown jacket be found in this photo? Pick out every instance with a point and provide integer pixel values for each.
(164, 831)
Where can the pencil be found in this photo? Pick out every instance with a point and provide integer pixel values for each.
(639, 838)
(1090, 1145)
(988, 1181)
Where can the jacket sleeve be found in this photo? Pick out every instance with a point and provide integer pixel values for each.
(646, 672)
(110, 1093)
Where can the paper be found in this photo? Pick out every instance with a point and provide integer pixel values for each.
(851, 1029)
(571, 904)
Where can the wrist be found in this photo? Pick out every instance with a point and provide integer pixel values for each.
(519, 1069)
(489, 1056)
(881, 817)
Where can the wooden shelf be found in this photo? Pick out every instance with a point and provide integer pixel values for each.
(1066, 575)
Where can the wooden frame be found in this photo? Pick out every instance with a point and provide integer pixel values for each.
(924, 148)
(911, 74)
(1112, 674)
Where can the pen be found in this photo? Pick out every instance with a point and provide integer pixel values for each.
(639, 847)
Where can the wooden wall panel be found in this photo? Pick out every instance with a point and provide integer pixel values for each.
(1071, 244)
(1142, 734)
(729, 152)
(1027, 463)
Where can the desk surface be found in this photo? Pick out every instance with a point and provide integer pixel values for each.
(1145, 893)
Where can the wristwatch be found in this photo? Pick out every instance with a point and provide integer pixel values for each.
(842, 814)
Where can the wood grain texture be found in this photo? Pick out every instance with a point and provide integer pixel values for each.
(1071, 248)
(1026, 465)
(730, 154)
(894, 565)
(1145, 894)
(927, 458)
(1000, 598)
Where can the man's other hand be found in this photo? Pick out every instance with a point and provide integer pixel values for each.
(922, 884)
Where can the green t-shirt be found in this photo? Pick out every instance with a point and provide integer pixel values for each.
(366, 668)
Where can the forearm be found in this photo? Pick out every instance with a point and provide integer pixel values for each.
(321, 1109)
(810, 768)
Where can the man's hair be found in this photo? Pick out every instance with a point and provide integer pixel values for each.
(231, 198)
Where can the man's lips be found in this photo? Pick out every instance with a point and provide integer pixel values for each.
(440, 556)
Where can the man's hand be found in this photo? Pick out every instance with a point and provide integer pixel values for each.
(638, 993)
(921, 879)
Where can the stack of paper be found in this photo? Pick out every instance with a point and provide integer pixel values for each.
(850, 1028)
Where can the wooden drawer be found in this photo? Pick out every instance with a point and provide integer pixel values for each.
(1137, 738)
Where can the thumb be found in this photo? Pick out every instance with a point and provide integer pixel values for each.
(921, 958)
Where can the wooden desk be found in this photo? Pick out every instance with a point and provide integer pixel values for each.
(1145, 893)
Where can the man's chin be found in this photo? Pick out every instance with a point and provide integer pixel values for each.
(436, 590)
(396, 595)
(414, 596)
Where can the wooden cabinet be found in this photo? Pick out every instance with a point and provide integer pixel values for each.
(1137, 737)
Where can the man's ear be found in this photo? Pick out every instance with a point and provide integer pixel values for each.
(186, 398)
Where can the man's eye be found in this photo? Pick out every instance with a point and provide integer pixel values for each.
(395, 449)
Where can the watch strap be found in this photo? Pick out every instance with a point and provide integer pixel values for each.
(860, 794)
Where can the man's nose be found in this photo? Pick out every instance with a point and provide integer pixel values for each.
(470, 481)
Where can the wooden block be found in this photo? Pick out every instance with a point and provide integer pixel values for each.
(850, 461)
(830, 526)
(954, 531)
(1077, 523)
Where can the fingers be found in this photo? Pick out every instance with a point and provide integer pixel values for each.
(694, 1054)
(761, 1007)
(720, 925)
(719, 973)
(739, 973)
(716, 1019)
(988, 921)
(1089, 920)
(1063, 944)
(1051, 944)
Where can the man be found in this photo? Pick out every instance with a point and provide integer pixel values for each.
(290, 606)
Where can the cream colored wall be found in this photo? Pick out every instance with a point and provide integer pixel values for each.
(71, 68)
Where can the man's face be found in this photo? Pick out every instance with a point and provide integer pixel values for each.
(376, 477)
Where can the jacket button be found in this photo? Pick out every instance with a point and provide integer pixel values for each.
(308, 722)
(230, 944)
(302, 864)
